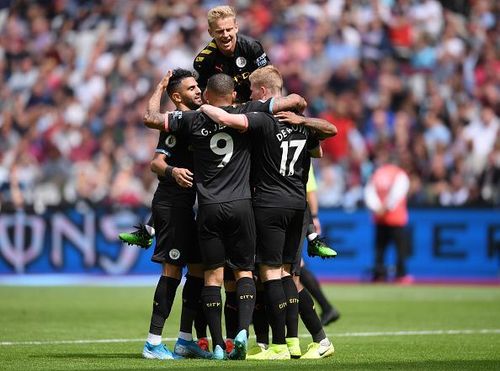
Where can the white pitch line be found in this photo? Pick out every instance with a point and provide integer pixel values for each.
(333, 336)
(413, 333)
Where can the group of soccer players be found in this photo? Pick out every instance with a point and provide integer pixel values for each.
(247, 165)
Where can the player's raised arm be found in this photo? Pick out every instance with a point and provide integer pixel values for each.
(323, 128)
(153, 118)
(235, 121)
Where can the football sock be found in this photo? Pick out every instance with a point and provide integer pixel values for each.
(185, 336)
(310, 282)
(212, 306)
(162, 303)
(190, 302)
(311, 236)
(245, 294)
(231, 314)
(260, 323)
(292, 309)
(311, 229)
(310, 317)
(150, 226)
(154, 339)
(200, 323)
(276, 308)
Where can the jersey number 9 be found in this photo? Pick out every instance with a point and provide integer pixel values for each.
(226, 148)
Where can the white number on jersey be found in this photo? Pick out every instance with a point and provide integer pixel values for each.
(227, 147)
(299, 146)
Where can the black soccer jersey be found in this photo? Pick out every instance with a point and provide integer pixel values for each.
(178, 155)
(221, 154)
(279, 157)
(248, 56)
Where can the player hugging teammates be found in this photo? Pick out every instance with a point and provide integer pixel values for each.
(247, 164)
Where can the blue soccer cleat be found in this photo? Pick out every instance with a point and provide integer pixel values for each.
(159, 351)
(240, 346)
(219, 353)
(190, 349)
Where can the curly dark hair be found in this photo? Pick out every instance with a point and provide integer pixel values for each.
(178, 75)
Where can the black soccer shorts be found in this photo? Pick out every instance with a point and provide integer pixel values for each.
(176, 241)
(226, 233)
(278, 234)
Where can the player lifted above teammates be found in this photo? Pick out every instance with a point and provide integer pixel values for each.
(229, 52)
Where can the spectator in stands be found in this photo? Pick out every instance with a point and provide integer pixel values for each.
(386, 196)
(72, 73)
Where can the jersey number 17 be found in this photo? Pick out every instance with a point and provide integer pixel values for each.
(285, 146)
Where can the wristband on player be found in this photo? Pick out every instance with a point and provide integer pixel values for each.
(314, 215)
(169, 170)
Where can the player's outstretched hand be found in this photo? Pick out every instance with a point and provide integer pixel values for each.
(183, 177)
(164, 82)
(290, 118)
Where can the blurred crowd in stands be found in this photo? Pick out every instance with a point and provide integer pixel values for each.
(415, 82)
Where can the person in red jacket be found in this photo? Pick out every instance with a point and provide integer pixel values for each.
(386, 196)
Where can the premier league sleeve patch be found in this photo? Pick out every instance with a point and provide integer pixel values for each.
(262, 60)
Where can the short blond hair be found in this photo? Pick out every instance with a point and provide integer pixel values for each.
(268, 77)
(220, 12)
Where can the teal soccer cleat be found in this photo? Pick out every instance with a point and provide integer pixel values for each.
(219, 353)
(159, 351)
(240, 346)
(190, 349)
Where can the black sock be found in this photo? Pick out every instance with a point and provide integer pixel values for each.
(190, 302)
(276, 308)
(310, 282)
(245, 294)
(212, 306)
(310, 227)
(310, 317)
(292, 308)
(162, 303)
(231, 314)
(200, 323)
(260, 322)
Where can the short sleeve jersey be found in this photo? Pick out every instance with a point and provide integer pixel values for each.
(248, 56)
(221, 154)
(279, 160)
(178, 155)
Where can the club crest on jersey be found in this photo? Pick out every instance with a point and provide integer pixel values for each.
(241, 62)
(170, 141)
(174, 254)
(177, 115)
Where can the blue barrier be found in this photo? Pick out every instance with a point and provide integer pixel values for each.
(445, 243)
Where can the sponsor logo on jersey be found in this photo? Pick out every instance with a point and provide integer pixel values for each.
(262, 60)
(241, 62)
(170, 141)
(174, 254)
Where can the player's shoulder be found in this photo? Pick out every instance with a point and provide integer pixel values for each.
(185, 115)
(247, 40)
(260, 116)
(249, 43)
(206, 53)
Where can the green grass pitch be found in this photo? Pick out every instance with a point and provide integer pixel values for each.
(382, 327)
